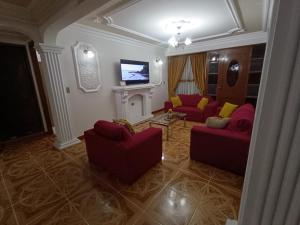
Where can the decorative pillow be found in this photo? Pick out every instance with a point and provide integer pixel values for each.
(111, 130)
(217, 122)
(202, 103)
(126, 124)
(227, 110)
(176, 101)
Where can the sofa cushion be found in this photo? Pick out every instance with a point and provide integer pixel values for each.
(242, 119)
(217, 122)
(187, 109)
(190, 100)
(176, 101)
(111, 130)
(202, 103)
(227, 109)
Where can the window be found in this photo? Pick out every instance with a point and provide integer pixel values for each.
(187, 84)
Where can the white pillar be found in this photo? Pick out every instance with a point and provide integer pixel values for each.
(271, 193)
(57, 96)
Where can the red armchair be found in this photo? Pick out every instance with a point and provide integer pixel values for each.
(225, 148)
(112, 147)
(189, 106)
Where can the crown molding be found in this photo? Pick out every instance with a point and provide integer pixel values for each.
(235, 15)
(239, 25)
(112, 36)
(220, 43)
(109, 22)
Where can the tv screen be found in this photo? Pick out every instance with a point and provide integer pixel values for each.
(134, 72)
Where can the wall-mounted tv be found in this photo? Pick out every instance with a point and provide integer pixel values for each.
(134, 72)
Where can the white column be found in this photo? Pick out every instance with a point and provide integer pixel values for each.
(271, 194)
(57, 96)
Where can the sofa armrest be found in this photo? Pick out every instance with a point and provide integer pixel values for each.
(147, 137)
(220, 147)
(211, 109)
(168, 105)
(223, 134)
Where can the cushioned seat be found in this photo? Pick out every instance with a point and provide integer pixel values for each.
(127, 156)
(189, 106)
(225, 148)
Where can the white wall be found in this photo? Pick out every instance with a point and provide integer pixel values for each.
(86, 108)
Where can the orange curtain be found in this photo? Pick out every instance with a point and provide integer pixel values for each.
(198, 62)
(175, 69)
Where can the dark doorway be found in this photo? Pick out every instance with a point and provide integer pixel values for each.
(19, 110)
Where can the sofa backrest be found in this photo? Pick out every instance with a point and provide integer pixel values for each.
(190, 100)
(111, 131)
(242, 119)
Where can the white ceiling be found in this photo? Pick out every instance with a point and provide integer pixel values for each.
(147, 19)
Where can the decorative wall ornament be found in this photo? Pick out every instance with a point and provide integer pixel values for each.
(87, 67)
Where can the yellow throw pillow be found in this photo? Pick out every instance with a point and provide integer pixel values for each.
(227, 110)
(126, 124)
(176, 101)
(202, 103)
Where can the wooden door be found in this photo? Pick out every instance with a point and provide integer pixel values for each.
(20, 113)
(233, 75)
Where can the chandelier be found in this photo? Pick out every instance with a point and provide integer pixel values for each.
(177, 39)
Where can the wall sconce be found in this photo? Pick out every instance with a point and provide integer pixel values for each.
(89, 53)
(159, 61)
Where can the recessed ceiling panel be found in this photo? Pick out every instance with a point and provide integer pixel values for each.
(155, 19)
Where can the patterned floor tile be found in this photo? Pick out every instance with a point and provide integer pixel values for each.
(103, 205)
(60, 212)
(172, 207)
(47, 186)
(215, 202)
(214, 174)
(7, 216)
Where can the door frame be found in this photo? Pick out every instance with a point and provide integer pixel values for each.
(43, 112)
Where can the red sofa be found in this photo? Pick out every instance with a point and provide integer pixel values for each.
(225, 148)
(189, 106)
(110, 146)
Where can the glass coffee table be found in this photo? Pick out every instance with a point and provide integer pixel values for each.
(167, 120)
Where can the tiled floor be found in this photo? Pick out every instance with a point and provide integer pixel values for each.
(43, 186)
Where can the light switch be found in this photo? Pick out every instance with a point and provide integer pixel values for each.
(68, 90)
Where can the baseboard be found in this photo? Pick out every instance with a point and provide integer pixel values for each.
(159, 110)
(81, 137)
(231, 222)
(66, 144)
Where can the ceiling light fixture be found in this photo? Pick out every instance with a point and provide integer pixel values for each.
(175, 41)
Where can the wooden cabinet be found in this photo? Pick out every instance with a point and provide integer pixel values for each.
(234, 74)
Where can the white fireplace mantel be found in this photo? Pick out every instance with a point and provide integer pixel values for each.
(133, 102)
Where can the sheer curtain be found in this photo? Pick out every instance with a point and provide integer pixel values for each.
(187, 84)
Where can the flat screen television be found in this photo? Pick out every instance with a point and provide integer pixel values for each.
(134, 72)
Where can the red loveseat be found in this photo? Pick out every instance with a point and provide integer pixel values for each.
(112, 147)
(225, 148)
(189, 106)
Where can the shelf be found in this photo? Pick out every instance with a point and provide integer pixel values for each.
(254, 85)
(257, 58)
(257, 71)
(213, 62)
(212, 73)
